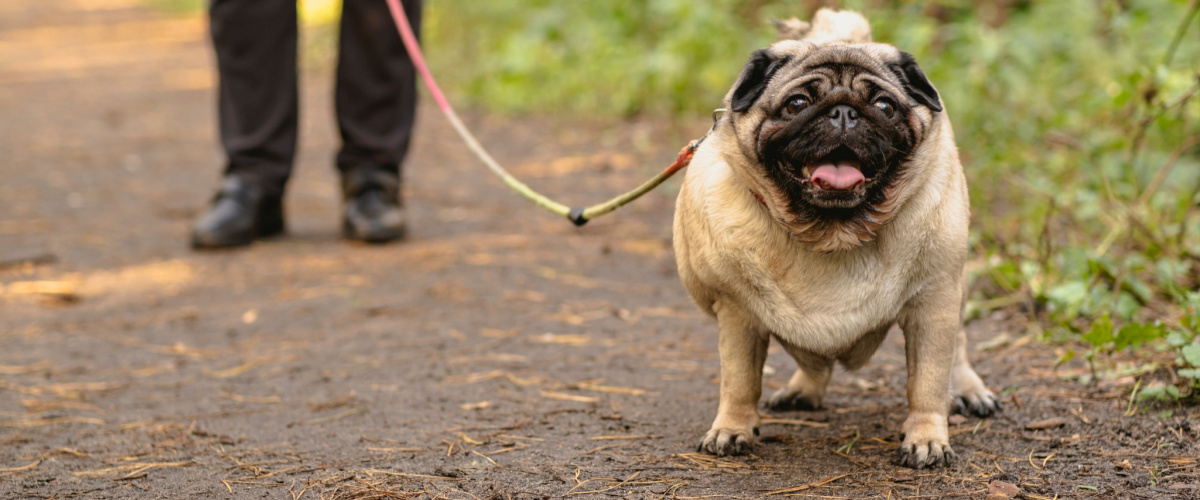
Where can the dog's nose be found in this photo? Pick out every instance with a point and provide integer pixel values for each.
(843, 116)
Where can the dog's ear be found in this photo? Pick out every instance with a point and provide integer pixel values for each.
(754, 79)
(916, 84)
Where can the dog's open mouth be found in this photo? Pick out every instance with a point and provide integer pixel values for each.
(839, 171)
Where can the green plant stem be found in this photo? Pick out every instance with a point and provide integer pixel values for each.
(1139, 137)
(1166, 169)
(1183, 28)
(1131, 409)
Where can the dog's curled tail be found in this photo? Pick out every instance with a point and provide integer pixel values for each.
(827, 26)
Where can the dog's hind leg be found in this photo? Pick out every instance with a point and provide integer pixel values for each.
(967, 389)
(970, 396)
(806, 389)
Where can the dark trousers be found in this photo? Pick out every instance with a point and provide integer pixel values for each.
(255, 42)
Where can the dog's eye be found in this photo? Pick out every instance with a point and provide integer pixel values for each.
(797, 104)
(886, 107)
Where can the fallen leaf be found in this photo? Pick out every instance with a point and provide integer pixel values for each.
(495, 333)
(569, 339)
(338, 402)
(529, 295)
(569, 397)
(22, 468)
(475, 406)
(1049, 423)
(608, 388)
(235, 371)
(653, 248)
(996, 342)
(494, 374)
(793, 421)
(252, 399)
(622, 438)
(50, 421)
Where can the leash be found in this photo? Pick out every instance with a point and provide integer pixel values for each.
(580, 215)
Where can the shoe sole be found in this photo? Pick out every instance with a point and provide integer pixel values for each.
(375, 238)
(270, 223)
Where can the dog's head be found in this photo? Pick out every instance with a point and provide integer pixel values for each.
(831, 131)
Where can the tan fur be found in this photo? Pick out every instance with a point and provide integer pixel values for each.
(828, 292)
(827, 26)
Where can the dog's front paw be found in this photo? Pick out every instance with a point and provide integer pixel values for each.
(725, 442)
(926, 442)
(971, 397)
(919, 455)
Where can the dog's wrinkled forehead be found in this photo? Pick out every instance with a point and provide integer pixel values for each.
(839, 65)
(777, 70)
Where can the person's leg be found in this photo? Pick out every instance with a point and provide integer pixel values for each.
(255, 44)
(376, 106)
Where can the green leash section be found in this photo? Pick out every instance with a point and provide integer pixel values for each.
(578, 216)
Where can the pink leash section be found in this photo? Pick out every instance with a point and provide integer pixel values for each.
(578, 216)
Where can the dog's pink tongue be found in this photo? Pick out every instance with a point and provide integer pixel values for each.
(842, 176)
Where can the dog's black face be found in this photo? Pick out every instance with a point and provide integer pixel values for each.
(838, 126)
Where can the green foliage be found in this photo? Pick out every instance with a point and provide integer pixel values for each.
(610, 57)
(1188, 346)
(1134, 335)
(1100, 334)
(1162, 393)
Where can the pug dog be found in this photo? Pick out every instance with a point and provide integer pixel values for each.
(827, 205)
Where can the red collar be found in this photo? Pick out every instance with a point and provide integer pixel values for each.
(759, 198)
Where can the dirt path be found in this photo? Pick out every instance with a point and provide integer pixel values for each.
(499, 353)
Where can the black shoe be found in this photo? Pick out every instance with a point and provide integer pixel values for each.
(373, 212)
(240, 214)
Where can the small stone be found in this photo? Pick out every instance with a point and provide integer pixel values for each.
(957, 420)
(1124, 464)
(1003, 489)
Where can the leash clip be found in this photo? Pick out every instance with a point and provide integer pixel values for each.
(717, 114)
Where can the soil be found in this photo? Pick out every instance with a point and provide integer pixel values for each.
(498, 352)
